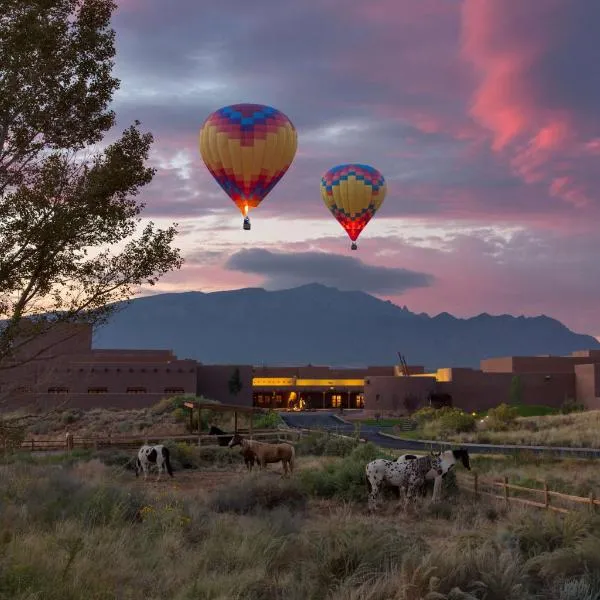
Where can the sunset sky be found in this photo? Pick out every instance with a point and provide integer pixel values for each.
(483, 116)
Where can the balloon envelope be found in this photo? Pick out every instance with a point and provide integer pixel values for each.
(353, 193)
(248, 148)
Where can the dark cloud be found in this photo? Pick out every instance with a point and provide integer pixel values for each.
(286, 270)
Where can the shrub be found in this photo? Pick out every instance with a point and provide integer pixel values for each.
(571, 406)
(187, 456)
(269, 420)
(259, 492)
(324, 444)
(501, 417)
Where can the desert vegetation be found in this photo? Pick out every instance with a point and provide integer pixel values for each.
(504, 425)
(82, 526)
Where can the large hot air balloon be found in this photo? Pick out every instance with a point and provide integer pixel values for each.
(248, 148)
(353, 193)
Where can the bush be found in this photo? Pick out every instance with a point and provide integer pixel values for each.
(60, 494)
(501, 417)
(324, 444)
(344, 480)
(448, 421)
(269, 420)
(259, 492)
(187, 456)
(571, 406)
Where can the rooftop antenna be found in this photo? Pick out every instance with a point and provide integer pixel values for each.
(404, 366)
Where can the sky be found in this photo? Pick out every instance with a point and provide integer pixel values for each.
(483, 116)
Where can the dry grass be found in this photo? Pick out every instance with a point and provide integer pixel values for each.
(92, 531)
(576, 430)
(100, 422)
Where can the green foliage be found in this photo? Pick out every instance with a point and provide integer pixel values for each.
(571, 406)
(235, 384)
(344, 480)
(187, 456)
(516, 390)
(268, 420)
(501, 417)
(445, 421)
(70, 239)
(325, 444)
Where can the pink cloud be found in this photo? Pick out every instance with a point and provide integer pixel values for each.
(536, 93)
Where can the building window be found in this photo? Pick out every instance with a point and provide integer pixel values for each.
(98, 390)
(336, 400)
(136, 390)
(58, 390)
(174, 390)
(360, 401)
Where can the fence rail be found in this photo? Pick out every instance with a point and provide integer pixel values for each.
(54, 445)
(500, 489)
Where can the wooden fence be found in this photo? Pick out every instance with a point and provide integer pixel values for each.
(510, 493)
(128, 442)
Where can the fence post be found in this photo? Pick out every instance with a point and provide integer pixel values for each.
(475, 484)
(546, 495)
(506, 489)
(592, 503)
(32, 445)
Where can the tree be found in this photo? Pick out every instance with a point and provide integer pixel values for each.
(516, 390)
(235, 382)
(73, 248)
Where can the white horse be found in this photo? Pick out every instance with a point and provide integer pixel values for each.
(447, 460)
(153, 455)
(408, 476)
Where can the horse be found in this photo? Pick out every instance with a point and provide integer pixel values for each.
(447, 461)
(153, 455)
(408, 476)
(222, 441)
(249, 457)
(268, 453)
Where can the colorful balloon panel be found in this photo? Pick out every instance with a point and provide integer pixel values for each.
(248, 148)
(353, 193)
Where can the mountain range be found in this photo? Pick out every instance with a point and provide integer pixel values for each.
(320, 325)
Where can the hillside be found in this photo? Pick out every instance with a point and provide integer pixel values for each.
(321, 325)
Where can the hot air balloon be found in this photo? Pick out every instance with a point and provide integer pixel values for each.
(353, 193)
(248, 148)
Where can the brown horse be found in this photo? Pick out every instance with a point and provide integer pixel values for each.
(268, 453)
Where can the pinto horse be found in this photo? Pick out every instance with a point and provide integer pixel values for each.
(153, 455)
(447, 461)
(408, 476)
(268, 453)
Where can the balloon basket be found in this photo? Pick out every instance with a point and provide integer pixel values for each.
(247, 225)
(354, 246)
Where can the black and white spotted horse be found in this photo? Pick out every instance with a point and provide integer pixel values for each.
(447, 460)
(153, 455)
(408, 476)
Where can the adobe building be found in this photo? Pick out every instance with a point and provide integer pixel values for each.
(547, 380)
(62, 368)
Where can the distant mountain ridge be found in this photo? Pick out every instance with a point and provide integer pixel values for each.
(317, 324)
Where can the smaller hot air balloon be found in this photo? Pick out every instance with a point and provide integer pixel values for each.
(248, 148)
(353, 193)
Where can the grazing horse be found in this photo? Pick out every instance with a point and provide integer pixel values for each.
(268, 453)
(408, 476)
(153, 455)
(447, 460)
